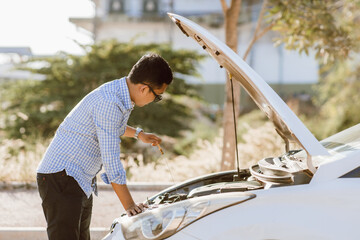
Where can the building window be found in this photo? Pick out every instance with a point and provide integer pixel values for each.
(117, 6)
(150, 6)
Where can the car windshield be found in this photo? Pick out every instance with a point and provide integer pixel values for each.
(347, 140)
(343, 142)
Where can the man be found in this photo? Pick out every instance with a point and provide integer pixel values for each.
(89, 139)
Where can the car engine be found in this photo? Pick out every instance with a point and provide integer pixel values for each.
(288, 169)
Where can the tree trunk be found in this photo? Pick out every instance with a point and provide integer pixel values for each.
(231, 15)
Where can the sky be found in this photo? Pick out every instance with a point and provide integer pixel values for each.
(43, 25)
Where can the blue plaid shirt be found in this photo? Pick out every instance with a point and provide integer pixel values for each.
(89, 137)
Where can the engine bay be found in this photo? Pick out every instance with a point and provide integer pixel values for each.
(288, 169)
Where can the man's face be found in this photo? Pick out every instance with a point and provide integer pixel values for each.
(148, 94)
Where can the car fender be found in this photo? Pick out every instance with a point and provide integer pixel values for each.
(297, 212)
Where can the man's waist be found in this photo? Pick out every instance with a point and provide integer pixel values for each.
(85, 180)
(60, 173)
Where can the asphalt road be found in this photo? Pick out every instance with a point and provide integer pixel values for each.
(22, 207)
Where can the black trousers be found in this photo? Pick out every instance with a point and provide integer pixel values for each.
(66, 207)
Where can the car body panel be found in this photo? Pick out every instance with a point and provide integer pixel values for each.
(344, 148)
(116, 233)
(335, 169)
(287, 124)
(296, 212)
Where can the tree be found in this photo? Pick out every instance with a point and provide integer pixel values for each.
(38, 107)
(338, 96)
(311, 24)
(303, 26)
(339, 87)
(231, 14)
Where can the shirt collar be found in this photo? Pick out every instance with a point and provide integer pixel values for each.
(125, 94)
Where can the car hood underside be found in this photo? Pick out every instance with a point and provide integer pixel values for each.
(286, 123)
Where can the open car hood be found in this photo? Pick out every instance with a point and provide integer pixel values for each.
(287, 124)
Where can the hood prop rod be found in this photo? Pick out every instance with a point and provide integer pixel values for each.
(287, 144)
(234, 116)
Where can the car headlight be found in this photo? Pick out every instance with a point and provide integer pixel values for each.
(164, 221)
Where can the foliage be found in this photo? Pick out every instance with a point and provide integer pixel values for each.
(19, 159)
(339, 97)
(330, 28)
(339, 86)
(18, 101)
(166, 118)
(314, 24)
(44, 104)
(206, 157)
(303, 26)
(201, 126)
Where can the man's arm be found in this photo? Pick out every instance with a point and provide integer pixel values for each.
(143, 136)
(130, 131)
(126, 200)
(107, 119)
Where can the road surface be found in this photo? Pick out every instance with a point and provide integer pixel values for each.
(22, 207)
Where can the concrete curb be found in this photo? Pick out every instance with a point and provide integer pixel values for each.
(133, 186)
(39, 233)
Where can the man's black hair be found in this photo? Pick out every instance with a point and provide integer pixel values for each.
(151, 69)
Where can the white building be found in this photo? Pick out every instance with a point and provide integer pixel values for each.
(146, 21)
(9, 58)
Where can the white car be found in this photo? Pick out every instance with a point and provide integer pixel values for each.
(307, 193)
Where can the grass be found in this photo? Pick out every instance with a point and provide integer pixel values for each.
(257, 143)
(20, 159)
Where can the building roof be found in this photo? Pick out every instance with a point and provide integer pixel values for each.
(22, 51)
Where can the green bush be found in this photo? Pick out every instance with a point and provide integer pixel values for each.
(38, 107)
(338, 98)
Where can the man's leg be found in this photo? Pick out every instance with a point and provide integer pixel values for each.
(86, 219)
(63, 202)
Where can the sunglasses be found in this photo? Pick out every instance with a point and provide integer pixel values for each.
(157, 96)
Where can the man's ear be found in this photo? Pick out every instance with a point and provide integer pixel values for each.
(144, 88)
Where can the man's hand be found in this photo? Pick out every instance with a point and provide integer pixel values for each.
(149, 138)
(143, 136)
(126, 200)
(136, 209)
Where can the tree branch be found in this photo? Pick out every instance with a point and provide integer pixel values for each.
(235, 4)
(261, 15)
(224, 6)
(265, 30)
(256, 36)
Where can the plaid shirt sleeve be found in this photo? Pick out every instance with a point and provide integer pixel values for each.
(108, 119)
